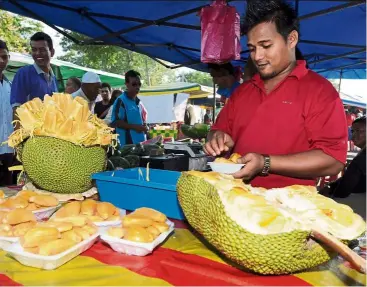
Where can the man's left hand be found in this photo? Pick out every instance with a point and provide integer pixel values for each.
(254, 164)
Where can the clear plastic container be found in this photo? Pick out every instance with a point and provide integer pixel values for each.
(16, 251)
(135, 248)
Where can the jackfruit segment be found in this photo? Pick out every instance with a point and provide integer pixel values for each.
(54, 237)
(89, 209)
(267, 231)
(28, 200)
(143, 225)
(62, 117)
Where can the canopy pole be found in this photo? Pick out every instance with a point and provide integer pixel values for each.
(340, 80)
(214, 102)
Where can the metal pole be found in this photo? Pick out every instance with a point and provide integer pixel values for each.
(214, 102)
(340, 80)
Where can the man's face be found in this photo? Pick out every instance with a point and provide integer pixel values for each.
(270, 53)
(4, 59)
(41, 53)
(92, 90)
(220, 77)
(105, 93)
(359, 134)
(70, 87)
(133, 85)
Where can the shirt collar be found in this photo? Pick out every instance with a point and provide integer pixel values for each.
(137, 100)
(299, 71)
(5, 79)
(40, 71)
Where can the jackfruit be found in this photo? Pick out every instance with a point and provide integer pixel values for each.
(61, 143)
(59, 166)
(272, 237)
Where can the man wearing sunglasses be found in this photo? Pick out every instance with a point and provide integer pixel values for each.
(37, 80)
(127, 113)
(6, 117)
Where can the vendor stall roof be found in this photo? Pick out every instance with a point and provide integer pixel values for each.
(333, 33)
(63, 71)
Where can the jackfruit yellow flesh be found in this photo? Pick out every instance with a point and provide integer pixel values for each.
(63, 117)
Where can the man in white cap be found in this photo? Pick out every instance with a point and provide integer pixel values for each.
(91, 84)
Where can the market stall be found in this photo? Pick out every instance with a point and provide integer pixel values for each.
(151, 226)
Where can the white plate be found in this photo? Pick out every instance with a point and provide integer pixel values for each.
(16, 251)
(135, 248)
(227, 168)
(107, 223)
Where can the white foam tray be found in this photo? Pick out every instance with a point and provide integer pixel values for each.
(134, 248)
(108, 223)
(16, 251)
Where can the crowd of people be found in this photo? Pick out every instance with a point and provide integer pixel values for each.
(122, 110)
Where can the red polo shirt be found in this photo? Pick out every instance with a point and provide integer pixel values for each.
(304, 112)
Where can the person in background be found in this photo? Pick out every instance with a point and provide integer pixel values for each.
(127, 113)
(6, 117)
(72, 85)
(350, 189)
(190, 116)
(207, 117)
(101, 108)
(224, 77)
(115, 94)
(89, 90)
(287, 122)
(37, 80)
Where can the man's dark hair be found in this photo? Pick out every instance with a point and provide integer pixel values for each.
(76, 82)
(227, 66)
(361, 120)
(131, 74)
(3, 45)
(277, 11)
(40, 36)
(106, 85)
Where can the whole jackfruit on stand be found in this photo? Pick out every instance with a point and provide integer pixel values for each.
(265, 231)
(61, 143)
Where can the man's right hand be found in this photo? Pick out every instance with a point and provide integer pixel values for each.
(218, 143)
(141, 128)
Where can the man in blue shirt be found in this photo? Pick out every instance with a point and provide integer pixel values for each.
(6, 128)
(127, 112)
(224, 77)
(37, 80)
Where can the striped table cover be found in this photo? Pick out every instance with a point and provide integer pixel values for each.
(183, 260)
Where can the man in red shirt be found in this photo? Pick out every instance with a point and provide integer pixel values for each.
(287, 122)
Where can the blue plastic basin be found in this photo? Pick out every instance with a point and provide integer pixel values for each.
(129, 190)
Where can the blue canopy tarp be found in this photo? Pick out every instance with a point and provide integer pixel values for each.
(353, 100)
(333, 33)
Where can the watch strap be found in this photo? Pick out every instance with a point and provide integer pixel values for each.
(266, 168)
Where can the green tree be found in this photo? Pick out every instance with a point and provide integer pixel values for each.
(16, 31)
(197, 77)
(114, 60)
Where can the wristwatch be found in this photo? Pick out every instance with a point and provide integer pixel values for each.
(266, 168)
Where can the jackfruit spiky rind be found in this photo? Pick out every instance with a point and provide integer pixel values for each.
(274, 254)
(60, 166)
